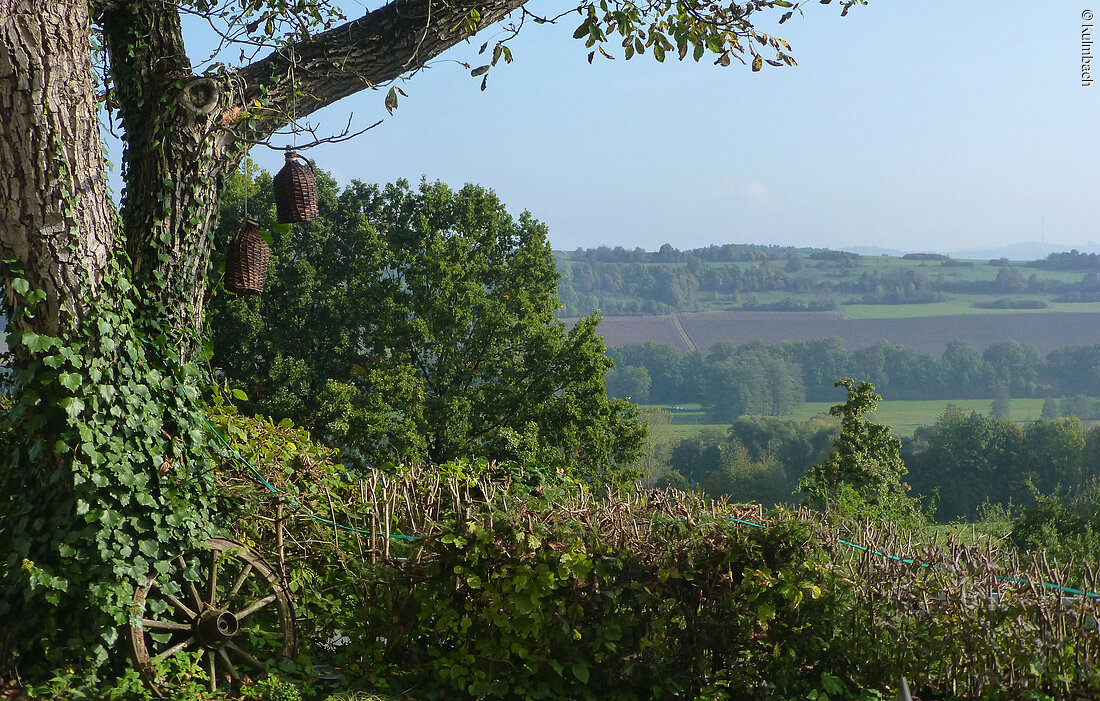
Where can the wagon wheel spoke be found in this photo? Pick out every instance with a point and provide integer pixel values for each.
(212, 581)
(236, 586)
(255, 606)
(246, 657)
(180, 606)
(191, 588)
(228, 663)
(165, 654)
(211, 671)
(153, 624)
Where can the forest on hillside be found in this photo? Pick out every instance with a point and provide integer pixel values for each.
(617, 281)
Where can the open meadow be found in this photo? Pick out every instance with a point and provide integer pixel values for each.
(903, 417)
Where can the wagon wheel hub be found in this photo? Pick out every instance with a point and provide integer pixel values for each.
(225, 607)
(215, 628)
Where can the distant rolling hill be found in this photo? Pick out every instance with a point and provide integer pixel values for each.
(930, 334)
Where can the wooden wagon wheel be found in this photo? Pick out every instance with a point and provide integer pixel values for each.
(236, 614)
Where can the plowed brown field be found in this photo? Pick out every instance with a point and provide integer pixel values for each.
(930, 334)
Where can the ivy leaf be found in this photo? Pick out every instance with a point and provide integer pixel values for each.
(72, 406)
(70, 381)
(36, 342)
(20, 285)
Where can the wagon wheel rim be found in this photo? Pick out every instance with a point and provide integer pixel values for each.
(234, 617)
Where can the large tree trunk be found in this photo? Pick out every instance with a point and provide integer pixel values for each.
(55, 214)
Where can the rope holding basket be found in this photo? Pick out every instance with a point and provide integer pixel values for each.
(295, 190)
(246, 262)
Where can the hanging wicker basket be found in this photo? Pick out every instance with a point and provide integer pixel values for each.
(295, 191)
(246, 264)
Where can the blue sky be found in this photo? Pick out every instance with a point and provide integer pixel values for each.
(909, 124)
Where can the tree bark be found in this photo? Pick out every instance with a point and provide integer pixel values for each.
(56, 218)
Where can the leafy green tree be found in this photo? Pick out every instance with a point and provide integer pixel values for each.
(743, 479)
(968, 459)
(696, 457)
(961, 369)
(417, 325)
(629, 382)
(654, 466)
(1052, 454)
(796, 445)
(1015, 365)
(674, 375)
(1051, 410)
(1067, 526)
(1001, 406)
(865, 459)
(1010, 280)
(1074, 369)
(750, 379)
(822, 361)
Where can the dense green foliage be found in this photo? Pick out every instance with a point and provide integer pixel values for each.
(107, 466)
(105, 463)
(962, 464)
(758, 379)
(416, 325)
(969, 460)
(1065, 525)
(782, 278)
(518, 584)
(759, 459)
(864, 462)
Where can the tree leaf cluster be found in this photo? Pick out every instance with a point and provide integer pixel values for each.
(417, 325)
(864, 463)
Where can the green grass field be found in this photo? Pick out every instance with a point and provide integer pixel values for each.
(957, 305)
(903, 417)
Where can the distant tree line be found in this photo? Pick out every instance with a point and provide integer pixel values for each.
(618, 281)
(754, 378)
(1068, 260)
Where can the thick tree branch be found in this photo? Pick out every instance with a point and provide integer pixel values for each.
(381, 46)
